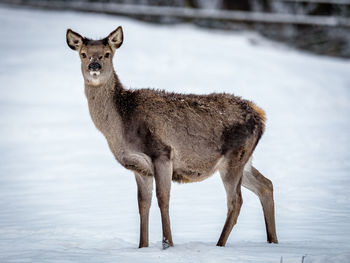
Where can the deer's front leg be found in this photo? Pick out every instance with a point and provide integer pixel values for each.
(163, 173)
(144, 197)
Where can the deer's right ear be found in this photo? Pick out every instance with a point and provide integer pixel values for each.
(74, 40)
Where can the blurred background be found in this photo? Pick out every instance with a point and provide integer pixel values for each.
(319, 26)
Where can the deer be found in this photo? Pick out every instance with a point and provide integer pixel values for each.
(163, 137)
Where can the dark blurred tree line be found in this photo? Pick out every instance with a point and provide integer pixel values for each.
(274, 6)
(317, 38)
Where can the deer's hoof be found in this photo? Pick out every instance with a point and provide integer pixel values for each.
(143, 245)
(273, 240)
(166, 244)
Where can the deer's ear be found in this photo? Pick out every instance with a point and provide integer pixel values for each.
(115, 39)
(74, 40)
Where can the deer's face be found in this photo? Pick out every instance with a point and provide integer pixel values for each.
(96, 55)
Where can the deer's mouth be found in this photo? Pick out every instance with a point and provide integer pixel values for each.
(94, 73)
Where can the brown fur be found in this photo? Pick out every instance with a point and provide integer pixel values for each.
(220, 123)
(168, 136)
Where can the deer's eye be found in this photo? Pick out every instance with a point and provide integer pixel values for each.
(83, 55)
(107, 55)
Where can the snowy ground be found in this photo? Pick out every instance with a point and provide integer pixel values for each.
(63, 197)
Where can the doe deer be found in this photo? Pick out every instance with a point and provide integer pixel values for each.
(174, 137)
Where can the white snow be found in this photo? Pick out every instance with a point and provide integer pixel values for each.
(63, 197)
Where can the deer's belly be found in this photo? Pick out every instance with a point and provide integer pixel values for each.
(186, 170)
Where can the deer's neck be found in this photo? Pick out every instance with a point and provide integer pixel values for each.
(106, 102)
(102, 107)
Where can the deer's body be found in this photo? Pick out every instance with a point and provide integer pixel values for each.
(167, 136)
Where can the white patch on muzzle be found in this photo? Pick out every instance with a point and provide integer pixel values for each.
(95, 73)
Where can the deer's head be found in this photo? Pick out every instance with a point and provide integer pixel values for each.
(96, 55)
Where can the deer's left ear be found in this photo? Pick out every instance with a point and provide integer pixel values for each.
(115, 39)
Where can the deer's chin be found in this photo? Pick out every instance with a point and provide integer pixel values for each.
(93, 81)
(93, 78)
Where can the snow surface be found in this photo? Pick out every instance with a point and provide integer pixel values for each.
(63, 197)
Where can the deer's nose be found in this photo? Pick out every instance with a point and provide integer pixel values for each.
(94, 66)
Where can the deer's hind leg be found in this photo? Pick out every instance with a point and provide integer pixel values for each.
(144, 198)
(232, 178)
(263, 188)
